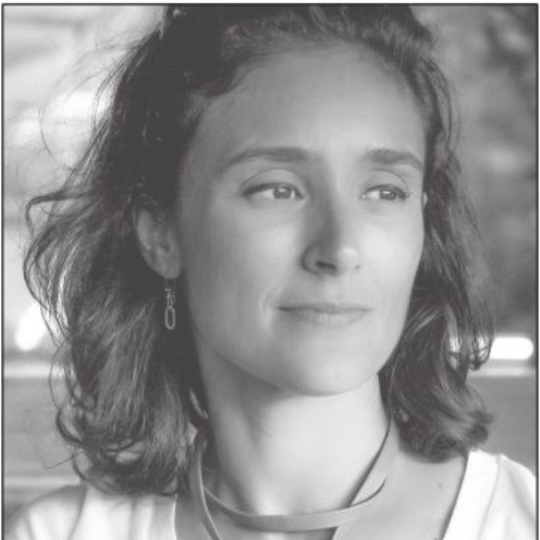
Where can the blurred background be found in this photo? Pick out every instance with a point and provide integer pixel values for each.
(54, 59)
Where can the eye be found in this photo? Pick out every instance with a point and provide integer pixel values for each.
(388, 193)
(282, 192)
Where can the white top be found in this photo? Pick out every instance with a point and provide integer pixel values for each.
(496, 501)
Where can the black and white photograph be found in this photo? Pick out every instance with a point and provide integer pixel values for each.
(270, 271)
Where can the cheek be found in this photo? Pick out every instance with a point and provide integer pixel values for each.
(396, 257)
(394, 264)
(233, 264)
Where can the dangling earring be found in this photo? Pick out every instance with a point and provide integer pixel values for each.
(170, 300)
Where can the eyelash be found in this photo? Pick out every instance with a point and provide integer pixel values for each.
(398, 194)
(274, 187)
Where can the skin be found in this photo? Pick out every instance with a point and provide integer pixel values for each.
(298, 231)
(284, 206)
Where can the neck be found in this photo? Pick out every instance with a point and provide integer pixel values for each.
(283, 453)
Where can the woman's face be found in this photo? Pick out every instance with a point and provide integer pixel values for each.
(300, 221)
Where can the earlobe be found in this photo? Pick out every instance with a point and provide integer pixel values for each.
(158, 244)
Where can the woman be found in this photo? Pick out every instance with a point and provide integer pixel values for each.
(266, 247)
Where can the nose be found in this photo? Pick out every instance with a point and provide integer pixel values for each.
(334, 247)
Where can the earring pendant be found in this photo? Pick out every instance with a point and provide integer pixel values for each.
(170, 301)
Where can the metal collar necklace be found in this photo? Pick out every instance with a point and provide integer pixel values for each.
(371, 485)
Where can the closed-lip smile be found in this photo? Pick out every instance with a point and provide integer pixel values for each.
(330, 314)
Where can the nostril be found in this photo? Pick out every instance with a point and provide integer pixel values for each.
(326, 259)
(326, 267)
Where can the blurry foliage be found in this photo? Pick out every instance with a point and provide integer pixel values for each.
(490, 55)
(511, 31)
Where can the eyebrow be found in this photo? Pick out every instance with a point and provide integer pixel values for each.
(292, 154)
(388, 156)
(281, 154)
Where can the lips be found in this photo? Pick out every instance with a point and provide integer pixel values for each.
(327, 314)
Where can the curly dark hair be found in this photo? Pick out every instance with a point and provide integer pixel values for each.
(134, 389)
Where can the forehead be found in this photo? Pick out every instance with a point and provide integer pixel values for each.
(325, 100)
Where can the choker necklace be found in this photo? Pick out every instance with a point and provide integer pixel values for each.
(370, 486)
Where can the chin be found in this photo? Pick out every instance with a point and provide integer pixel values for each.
(325, 377)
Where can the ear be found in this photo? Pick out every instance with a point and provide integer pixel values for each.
(424, 199)
(159, 244)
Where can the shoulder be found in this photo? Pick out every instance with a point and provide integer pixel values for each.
(504, 477)
(497, 500)
(514, 488)
(50, 516)
(83, 512)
